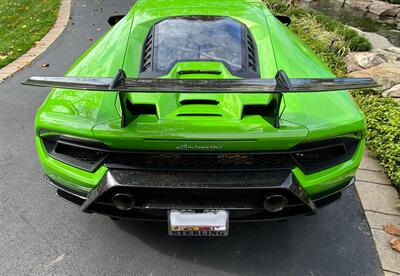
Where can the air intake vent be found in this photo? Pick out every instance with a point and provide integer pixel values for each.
(258, 109)
(142, 109)
(200, 115)
(147, 53)
(251, 52)
(199, 101)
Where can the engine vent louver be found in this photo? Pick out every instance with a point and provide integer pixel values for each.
(251, 53)
(147, 53)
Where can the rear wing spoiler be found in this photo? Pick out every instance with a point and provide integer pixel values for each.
(279, 85)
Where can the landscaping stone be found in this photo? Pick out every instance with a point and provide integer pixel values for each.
(390, 259)
(360, 5)
(378, 198)
(351, 63)
(386, 74)
(380, 7)
(395, 50)
(391, 12)
(393, 92)
(368, 60)
(377, 41)
(356, 61)
(391, 54)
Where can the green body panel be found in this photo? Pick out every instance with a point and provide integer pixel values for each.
(96, 115)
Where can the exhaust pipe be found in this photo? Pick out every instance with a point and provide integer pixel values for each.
(275, 203)
(123, 201)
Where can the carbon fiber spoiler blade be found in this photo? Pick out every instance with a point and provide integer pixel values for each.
(155, 85)
(279, 85)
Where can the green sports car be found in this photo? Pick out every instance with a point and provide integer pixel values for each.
(199, 112)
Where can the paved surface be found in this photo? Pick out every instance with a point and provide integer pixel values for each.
(379, 198)
(41, 234)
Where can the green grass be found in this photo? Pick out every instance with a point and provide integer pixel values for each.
(22, 23)
(382, 114)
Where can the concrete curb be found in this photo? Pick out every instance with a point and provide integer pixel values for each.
(41, 46)
(378, 198)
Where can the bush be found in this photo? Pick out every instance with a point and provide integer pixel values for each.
(383, 130)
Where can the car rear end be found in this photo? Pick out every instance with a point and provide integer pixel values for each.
(190, 157)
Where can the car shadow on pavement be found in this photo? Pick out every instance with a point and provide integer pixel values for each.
(246, 250)
(307, 245)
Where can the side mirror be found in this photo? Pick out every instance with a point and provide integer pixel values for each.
(112, 20)
(284, 19)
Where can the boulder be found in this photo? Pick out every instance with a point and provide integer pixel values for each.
(385, 74)
(376, 40)
(356, 61)
(393, 92)
(391, 12)
(391, 54)
(380, 7)
(351, 64)
(360, 5)
(368, 60)
(395, 50)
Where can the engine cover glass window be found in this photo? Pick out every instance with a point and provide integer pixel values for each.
(198, 38)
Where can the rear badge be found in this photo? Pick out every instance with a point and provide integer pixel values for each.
(191, 223)
(198, 147)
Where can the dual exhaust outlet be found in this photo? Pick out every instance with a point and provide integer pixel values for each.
(272, 203)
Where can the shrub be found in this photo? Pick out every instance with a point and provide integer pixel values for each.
(383, 130)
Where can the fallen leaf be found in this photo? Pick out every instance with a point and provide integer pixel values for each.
(45, 65)
(56, 260)
(395, 243)
(392, 229)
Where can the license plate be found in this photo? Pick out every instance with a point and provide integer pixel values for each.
(205, 223)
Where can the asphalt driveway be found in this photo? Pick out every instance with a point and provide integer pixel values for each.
(42, 234)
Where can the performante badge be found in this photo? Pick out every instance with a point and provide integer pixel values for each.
(198, 147)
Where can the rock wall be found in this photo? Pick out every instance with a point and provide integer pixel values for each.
(383, 65)
(380, 9)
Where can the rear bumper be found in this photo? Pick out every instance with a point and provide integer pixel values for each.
(241, 193)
